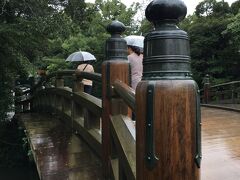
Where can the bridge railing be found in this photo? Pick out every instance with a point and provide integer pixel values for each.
(225, 93)
(123, 135)
(166, 141)
(78, 110)
(82, 113)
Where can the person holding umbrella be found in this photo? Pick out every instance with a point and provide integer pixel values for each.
(86, 67)
(135, 58)
(86, 59)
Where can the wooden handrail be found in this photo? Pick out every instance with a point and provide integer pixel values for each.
(126, 93)
(66, 72)
(225, 84)
(87, 75)
(125, 145)
(221, 93)
(90, 102)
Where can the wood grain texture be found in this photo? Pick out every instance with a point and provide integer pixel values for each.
(111, 71)
(174, 131)
(58, 153)
(126, 93)
(125, 146)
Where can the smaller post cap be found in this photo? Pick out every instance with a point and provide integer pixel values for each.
(116, 27)
(166, 10)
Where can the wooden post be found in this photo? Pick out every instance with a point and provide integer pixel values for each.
(167, 101)
(233, 94)
(26, 106)
(78, 86)
(115, 67)
(206, 86)
(59, 82)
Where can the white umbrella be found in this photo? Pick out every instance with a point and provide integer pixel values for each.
(81, 56)
(134, 40)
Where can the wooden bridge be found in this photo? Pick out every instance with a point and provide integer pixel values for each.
(74, 135)
(60, 153)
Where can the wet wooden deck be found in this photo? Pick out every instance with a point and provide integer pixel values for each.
(62, 155)
(59, 154)
(220, 144)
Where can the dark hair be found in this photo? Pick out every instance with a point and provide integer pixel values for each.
(135, 49)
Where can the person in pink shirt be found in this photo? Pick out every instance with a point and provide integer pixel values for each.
(135, 58)
(87, 83)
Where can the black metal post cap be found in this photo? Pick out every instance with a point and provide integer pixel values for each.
(116, 27)
(166, 10)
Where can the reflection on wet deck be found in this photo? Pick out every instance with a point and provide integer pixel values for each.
(221, 144)
(59, 153)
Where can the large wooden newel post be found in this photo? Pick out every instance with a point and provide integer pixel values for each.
(167, 100)
(115, 67)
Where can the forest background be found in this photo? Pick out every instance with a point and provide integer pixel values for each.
(41, 34)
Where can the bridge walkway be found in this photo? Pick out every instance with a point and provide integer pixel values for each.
(220, 144)
(58, 152)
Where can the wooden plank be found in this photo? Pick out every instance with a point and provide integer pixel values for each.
(125, 145)
(58, 153)
(115, 168)
(90, 102)
(131, 125)
(92, 137)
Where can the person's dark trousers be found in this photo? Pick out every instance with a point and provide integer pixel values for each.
(87, 89)
(133, 116)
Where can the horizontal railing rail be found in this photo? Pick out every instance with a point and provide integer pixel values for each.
(126, 93)
(124, 141)
(225, 84)
(91, 76)
(66, 73)
(225, 93)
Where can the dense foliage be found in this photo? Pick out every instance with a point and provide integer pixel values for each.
(41, 34)
(214, 40)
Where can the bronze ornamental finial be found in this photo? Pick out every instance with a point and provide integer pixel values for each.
(116, 27)
(160, 10)
(166, 48)
(116, 47)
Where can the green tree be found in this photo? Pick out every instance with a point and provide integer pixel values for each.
(235, 7)
(212, 49)
(25, 29)
(234, 29)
